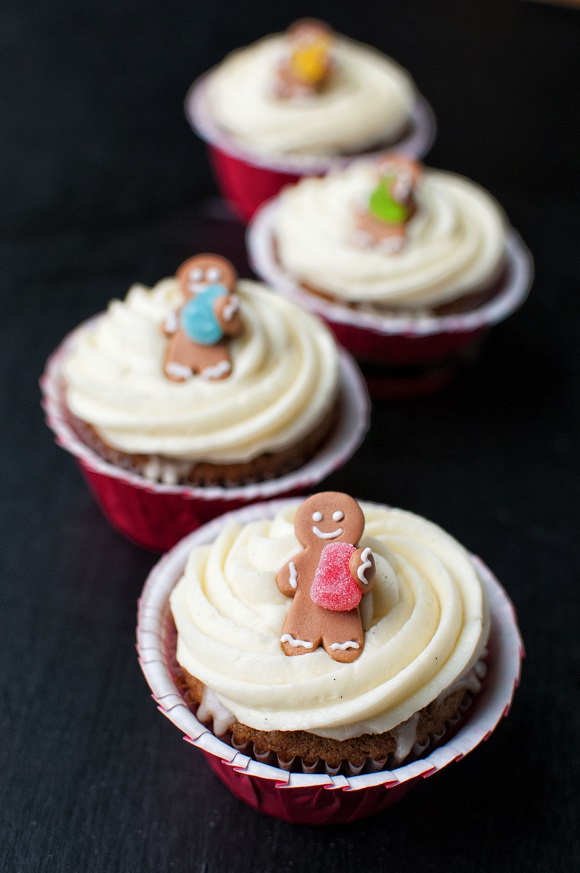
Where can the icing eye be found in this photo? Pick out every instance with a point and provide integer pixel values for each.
(196, 275)
(316, 516)
(213, 274)
(338, 515)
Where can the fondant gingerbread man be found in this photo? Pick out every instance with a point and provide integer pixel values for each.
(391, 205)
(199, 330)
(307, 67)
(327, 579)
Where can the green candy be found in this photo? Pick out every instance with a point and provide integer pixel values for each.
(382, 204)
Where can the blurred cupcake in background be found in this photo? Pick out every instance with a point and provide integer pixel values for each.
(302, 103)
(199, 395)
(409, 265)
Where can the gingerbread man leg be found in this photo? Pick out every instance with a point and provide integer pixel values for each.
(185, 357)
(390, 238)
(179, 360)
(213, 362)
(343, 637)
(303, 626)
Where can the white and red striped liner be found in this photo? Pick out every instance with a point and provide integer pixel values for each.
(156, 649)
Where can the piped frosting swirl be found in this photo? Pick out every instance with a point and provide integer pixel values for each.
(426, 625)
(284, 380)
(455, 241)
(367, 103)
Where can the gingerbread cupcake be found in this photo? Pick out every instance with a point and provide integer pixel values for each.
(327, 643)
(301, 103)
(409, 265)
(206, 387)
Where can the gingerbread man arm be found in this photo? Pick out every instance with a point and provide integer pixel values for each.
(171, 323)
(287, 579)
(362, 568)
(227, 312)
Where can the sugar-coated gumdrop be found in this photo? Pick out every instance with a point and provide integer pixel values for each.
(333, 586)
(310, 63)
(198, 318)
(382, 204)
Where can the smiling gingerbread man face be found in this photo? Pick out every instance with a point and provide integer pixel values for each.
(201, 271)
(329, 517)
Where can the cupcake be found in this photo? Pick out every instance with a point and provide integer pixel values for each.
(409, 265)
(207, 390)
(299, 104)
(327, 643)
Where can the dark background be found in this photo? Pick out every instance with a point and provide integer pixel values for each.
(102, 184)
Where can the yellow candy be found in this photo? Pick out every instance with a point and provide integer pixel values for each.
(310, 63)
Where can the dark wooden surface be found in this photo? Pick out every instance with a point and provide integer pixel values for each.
(103, 184)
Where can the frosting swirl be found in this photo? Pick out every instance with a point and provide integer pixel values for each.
(426, 624)
(455, 242)
(368, 102)
(284, 380)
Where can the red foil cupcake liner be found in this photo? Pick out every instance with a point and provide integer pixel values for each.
(155, 515)
(420, 353)
(247, 179)
(317, 798)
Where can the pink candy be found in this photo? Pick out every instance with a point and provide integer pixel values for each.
(333, 586)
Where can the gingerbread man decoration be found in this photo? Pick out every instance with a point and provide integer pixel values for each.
(383, 222)
(308, 65)
(198, 331)
(327, 579)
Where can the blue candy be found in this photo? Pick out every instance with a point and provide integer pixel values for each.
(198, 319)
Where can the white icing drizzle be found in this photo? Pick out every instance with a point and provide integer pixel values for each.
(171, 322)
(330, 535)
(293, 575)
(213, 274)
(348, 644)
(172, 368)
(364, 566)
(405, 735)
(169, 472)
(216, 371)
(231, 306)
(152, 470)
(211, 708)
(288, 638)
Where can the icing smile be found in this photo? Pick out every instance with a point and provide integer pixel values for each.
(327, 536)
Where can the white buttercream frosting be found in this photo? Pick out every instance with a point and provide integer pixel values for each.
(284, 380)
(426, 624)
(368, 101)
(455, 242)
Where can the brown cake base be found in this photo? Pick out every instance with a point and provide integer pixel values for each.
(266, 466)
(309, 747)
